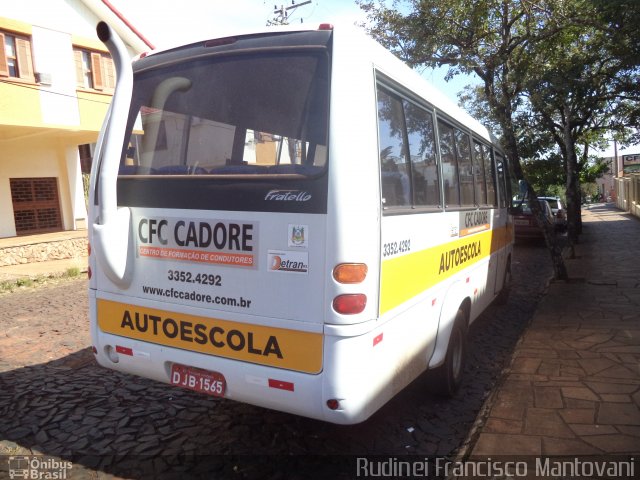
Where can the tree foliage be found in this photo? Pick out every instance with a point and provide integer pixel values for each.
(556, 74)
(490, 38)
(580, 86)
(544, 174)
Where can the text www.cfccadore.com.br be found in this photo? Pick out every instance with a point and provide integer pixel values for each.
(192, 295)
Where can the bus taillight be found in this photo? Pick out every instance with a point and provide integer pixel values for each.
(350, 272)
(350, 303)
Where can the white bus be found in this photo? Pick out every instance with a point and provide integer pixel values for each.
(293, 219)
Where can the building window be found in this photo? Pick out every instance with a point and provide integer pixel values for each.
(16, 60)
(94, 70)
(36, 205)
(85, 72)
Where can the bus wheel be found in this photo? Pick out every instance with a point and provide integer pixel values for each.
(447, 378)
(503, 296)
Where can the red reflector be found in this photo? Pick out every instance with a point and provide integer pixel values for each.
(350, 303)
(95, 350)
(333, 404)
(89, 273)
(124, 350)
(377, 340)
(325, 26)
(281, 385)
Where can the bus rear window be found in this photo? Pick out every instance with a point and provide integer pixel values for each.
(248, 114)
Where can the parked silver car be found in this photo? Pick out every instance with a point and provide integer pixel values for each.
(559, 211)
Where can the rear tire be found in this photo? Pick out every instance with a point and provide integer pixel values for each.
(447, 378)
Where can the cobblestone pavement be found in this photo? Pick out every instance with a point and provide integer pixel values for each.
(55, 400)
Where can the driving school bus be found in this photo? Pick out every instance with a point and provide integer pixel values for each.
(293, 219)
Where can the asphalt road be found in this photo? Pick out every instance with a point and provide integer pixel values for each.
(56, 401)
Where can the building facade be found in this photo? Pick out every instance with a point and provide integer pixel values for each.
(56, 83)
(627, 183)
(606, 183)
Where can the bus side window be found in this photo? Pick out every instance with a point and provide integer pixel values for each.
(465, 172)
(420, 133)
(502, 180)
(479, 153)
(449, 165)
(492, 198)
(396, 188)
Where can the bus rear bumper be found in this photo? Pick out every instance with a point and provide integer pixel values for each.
(310, 395)
(264, 386)
(278, 389)
(359, 373)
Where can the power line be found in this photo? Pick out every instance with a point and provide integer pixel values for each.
(281, 15)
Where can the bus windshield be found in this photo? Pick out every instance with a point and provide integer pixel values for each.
(243, 114)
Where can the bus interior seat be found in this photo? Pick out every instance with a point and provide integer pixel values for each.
(135, 170)
(239, 170)
(181, 170)
(395, 188)
(295, 169)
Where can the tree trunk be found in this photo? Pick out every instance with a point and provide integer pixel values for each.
(504, 113)
(550, 237)
(573, 182)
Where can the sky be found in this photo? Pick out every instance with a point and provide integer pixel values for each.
(170, 22)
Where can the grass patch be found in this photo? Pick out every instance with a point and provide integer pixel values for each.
(72, 272)
(9, 286)
(25, 282)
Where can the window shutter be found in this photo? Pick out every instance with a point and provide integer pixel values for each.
(4, 68)
(77, 57)
(109, 73)
(25, 60)
(96, 67)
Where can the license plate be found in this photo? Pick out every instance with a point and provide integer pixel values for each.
(521, 222)
(198, 380)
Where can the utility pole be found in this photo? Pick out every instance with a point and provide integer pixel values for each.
(281, 15)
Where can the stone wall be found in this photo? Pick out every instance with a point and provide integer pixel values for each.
(40, 252)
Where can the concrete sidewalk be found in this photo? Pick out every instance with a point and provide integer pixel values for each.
(573, 387)
(50, 268)
(45, 255)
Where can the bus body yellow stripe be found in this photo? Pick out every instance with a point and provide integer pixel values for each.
(406, 276)
(274, 347)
